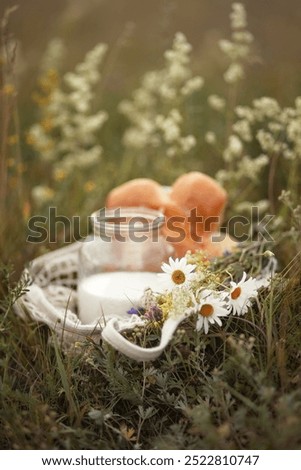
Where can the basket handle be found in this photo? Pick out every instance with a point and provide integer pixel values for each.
(112, 335)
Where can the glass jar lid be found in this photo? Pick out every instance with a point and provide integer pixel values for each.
(126, 220)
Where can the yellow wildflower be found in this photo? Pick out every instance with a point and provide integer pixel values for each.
(59, 174)
(89, 186)
(9, 89)
(12, 139)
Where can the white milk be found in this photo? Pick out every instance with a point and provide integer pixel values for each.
(109, 295)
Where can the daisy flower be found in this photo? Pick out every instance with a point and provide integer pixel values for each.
(242, 293)
(210, 307)
(177, 273)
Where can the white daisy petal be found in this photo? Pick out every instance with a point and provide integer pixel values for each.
(190, 267)
(166, 268)
(241, 293)
(199, 323)
(210, 306)
(262, 282)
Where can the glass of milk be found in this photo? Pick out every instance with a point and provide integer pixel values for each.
(119, 261)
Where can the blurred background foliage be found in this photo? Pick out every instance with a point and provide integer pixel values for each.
(138, 33)
(81, 24)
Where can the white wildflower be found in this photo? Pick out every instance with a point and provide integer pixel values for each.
(246, 207)
(152, 80)
(243, 129)
(42, 142)
(234, 73)
(251, 167)
(178, 73)
(89, 67)
(234, 50)
(237, 49)
(177, 273)
(76, 82)
(244, 112)
(143, 98)
(223, 176)
(263, 205)
(298, 103)
(88, 125)
(155, 112)
(241, 294)
(41, 194)
(67, 132)
(210, 138)
(192, 85)
(243, 207)
(216, 102)
(289, 154)
(167, 92)
(176, 116)
(210, 307)
(187, 143)
(235, 145)
(126, 107)
(266, 140)
(266, 107)
(181, 45)
(286, 115)
(234, 148)
(134, 138)
(182, 301)
(294, 130)
(226, 46)
(243, 37)
(285, 197)
(83, 159)
(170, 129)
(238, 16)
(147, 125)
(171, 152)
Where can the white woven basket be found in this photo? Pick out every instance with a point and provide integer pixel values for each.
(52, 294)
(52, 299)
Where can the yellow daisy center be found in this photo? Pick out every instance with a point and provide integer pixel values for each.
(178, 276)
(236, 293)
(206, 310)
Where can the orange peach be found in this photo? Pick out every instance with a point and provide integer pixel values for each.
(193, 194)
(138, 192)
(199, 192)
(203, 201)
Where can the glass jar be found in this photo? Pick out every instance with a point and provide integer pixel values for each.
(119, 261)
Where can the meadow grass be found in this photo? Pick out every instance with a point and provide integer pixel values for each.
(236, 388)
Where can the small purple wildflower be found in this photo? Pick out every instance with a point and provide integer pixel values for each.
(154, 313)
(136, 311)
